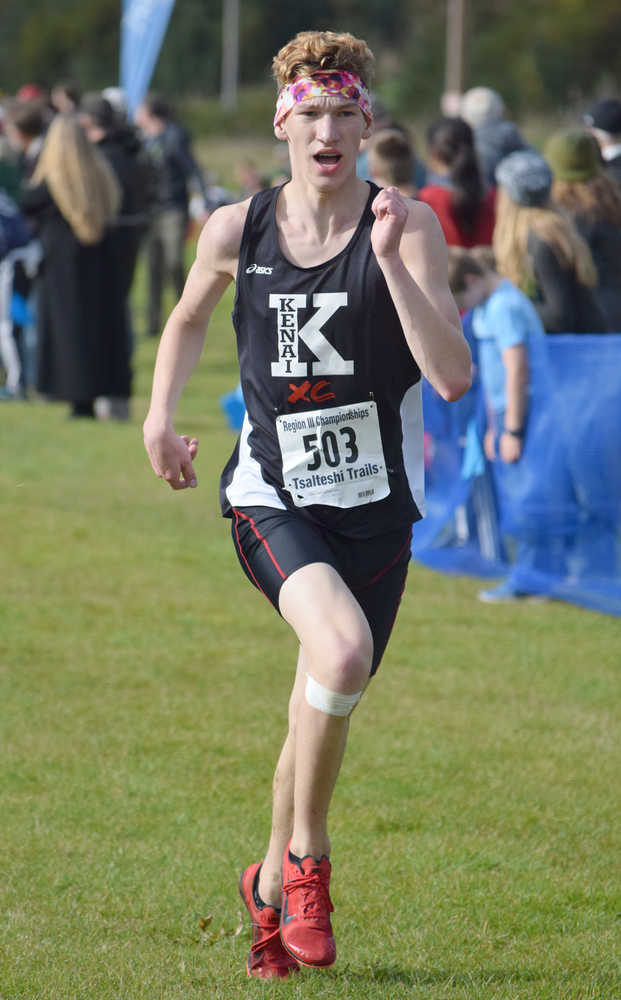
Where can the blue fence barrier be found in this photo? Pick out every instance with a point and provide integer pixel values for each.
(554, 519)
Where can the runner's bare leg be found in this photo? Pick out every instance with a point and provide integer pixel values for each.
(336, 650)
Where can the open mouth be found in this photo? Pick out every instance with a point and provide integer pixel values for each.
(328, 159)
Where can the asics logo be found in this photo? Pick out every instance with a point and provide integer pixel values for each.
(258, 269)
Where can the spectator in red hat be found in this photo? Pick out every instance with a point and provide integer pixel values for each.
(31, 92)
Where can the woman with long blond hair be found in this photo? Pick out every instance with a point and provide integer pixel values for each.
(540, 251)
(73, 199)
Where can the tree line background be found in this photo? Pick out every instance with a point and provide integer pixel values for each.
(540, 56)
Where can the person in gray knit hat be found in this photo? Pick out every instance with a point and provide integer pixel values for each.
(526, 177)
(540, 251)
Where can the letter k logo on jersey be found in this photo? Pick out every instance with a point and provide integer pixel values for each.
(329, 361)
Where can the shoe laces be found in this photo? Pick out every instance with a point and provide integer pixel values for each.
(263, 942)
(315, 895)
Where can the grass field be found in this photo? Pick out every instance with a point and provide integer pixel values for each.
(143, 687)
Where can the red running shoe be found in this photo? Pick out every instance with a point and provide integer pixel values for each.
(267, 959)
(305, 928)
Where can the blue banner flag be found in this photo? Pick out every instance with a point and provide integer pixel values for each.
(143, 27)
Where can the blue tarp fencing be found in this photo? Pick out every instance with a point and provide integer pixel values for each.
(553, 520)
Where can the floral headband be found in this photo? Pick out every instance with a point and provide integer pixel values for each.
(324, 83)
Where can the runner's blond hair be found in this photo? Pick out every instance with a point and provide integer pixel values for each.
(311, 51)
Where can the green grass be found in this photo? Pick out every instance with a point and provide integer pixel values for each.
(143, 689)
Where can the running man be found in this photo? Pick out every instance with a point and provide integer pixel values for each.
(342, 301)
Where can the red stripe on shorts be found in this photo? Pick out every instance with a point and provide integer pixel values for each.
(239, 513)
(243, 555)
(397, 606)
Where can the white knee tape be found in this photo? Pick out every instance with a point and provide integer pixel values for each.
(330, 702)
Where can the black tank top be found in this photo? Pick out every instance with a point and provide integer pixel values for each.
(333, 426)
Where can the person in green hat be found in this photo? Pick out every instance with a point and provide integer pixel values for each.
(591, 198)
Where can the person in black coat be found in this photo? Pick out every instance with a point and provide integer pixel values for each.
(120, 143)
(590, 197)
(72, 199)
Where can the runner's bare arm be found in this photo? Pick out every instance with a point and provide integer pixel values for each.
(182, 342)
(410, 249)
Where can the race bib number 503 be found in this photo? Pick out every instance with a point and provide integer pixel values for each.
(333, 456)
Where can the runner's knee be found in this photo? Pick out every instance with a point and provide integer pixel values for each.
(343, 663)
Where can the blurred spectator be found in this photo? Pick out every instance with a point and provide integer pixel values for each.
(10, 174)
(31, 92)
(450, 103)
(540, 251)
(116, 97)
(391, 161)
(65, 97)
(14, 230)
(15, 235)
(603, 119)
(592, 200)
(249, 178)
(494, 137)
(168, 143)
(512, 362)
(455, 189)
(25, 122)
(481, 105)
(24, 126)
(121, 145)
(73, 198)
(382, 119)
(282, 171)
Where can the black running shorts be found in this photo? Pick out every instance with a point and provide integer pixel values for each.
(272, 544)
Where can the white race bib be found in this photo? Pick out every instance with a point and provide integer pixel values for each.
(334, 456)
